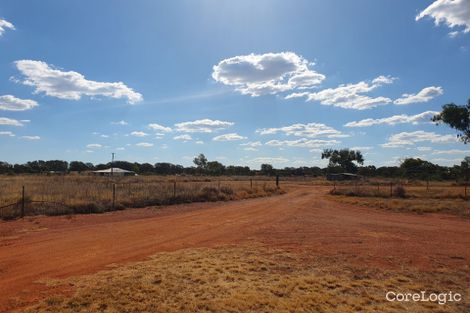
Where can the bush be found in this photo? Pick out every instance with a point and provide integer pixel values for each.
(226, 190)
(400, 192)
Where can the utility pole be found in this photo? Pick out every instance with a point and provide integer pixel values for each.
(112, 164)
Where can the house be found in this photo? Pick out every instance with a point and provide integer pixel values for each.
(343, 176)
(115, 171)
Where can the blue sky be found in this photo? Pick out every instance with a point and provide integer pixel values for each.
(244, 82)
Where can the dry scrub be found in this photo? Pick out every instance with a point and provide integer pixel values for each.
(248, 279)
(58, 195)
(445, 198)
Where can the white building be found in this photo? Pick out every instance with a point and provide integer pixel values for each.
(115, 171)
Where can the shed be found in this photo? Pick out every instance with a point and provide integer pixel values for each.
(343, 176)
(115, 171)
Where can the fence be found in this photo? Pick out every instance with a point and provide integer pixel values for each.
(65, 195)
(421, 189)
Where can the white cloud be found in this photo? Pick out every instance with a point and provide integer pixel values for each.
(4, 24)
(453, 13)
(349, 96)
(202, 126)
(11, 103)
(94, 146)
(70, 85)
(364, 148)
(121, 122)
(269, 160)
(7, 133)
(303, 130)
(269, 73)
(183, 137)
(10, 122)
(104, 136)
(395, 119)
(199, 142)
(251, 146)
(452, 151)
(144, 144)
(31, 137)
(423, 149)
(159, 128)
(139, 134)
(410, 138)
(424, 95)
(228, 137)
(302, 143)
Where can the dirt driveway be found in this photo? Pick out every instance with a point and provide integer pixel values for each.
(56, 247)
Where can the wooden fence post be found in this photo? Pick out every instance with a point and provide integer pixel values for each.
(114, 196)
(251, 183)
(277, 181)
(22, 202)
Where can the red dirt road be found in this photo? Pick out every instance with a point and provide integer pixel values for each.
(56, 247)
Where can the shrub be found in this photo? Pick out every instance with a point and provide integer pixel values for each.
(226, 190)
(400, 192)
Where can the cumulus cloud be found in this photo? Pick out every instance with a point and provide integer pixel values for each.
(70, 85)
(31, 137)
(7, 133)
(453, 13)
(303, 130)
(202, 126)
(228, 137)
(121, 122)
(424, 95)
(159, 128)
(349, 96)
(144, 144)
(302, 143)
(395, 119)
(410, 138)
(11, 103)
(251, 146)
(94, 146)
(184, 137)
(139, 134)
(269, 160)
(4, 24)
(10, 122)
(269, 73)
(452, 151)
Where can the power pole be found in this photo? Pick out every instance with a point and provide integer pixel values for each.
(112, 164)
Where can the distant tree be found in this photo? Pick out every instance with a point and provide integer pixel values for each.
(77, 166)
(215, 168)
(457, 117)
(267, 169)
(56, 166)
(418, 168)
(146, 168)
(200, 161)
(465, 168)
(343, 158)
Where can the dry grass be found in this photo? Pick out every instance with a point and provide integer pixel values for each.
(246, 279)
(442, 197)
(56, 195)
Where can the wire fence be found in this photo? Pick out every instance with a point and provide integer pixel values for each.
(402, 188)
(69, 195)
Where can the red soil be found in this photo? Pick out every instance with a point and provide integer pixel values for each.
(38, 248)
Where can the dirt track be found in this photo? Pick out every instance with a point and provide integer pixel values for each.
(55, 247)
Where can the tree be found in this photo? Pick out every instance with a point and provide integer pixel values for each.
(77, 166)
(215, 168)
(343, 158)
(267, 169)
(457, 117)
(200, 161)
(465, 168)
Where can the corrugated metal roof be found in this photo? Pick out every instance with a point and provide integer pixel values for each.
(114, 170)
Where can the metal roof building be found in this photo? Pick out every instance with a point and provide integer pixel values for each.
(115, 171)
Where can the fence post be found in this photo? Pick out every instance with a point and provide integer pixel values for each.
(251, 183)
(391, 189)
(22, 202)
(174, 189)
(114, 196)
(427, 184)
(277, 181)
